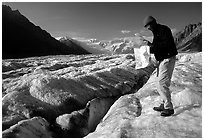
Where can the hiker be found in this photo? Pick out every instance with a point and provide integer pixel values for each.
(164, 50)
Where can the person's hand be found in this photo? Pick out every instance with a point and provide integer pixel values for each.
(147, 42)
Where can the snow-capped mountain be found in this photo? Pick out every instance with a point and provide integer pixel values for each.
(115, 46)
(124, 45)
(93, 46)
(186, 40)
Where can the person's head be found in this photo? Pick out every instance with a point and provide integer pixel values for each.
(150, 23)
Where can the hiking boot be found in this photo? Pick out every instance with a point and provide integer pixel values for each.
(167, 112)
(159, 108)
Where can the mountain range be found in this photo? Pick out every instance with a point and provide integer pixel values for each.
(189, 39)
(91, 45)
(21, 38)
(116, 46)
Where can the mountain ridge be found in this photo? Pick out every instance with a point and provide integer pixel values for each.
(187, 40)
(190, 38)
(35, 41)
(28, 39)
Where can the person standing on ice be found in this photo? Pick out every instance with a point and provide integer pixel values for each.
(164, 50)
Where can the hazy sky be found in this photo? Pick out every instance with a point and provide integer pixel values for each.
(106, 20)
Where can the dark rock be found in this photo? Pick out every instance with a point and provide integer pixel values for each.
(190, 38)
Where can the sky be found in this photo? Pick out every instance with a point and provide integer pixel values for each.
(106, 20)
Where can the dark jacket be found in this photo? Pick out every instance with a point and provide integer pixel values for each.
(163, 43)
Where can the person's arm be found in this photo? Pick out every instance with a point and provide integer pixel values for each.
(150, 45)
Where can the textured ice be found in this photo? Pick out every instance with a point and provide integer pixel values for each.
(55, 85)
